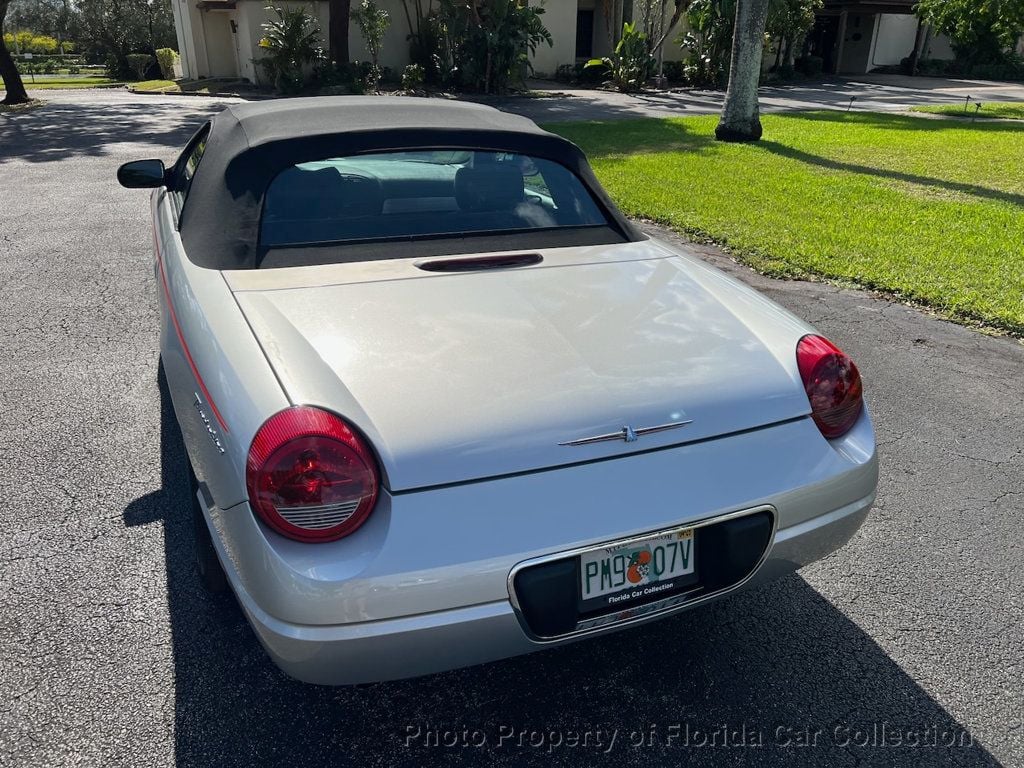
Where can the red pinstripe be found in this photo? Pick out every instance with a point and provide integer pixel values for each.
(181, 336)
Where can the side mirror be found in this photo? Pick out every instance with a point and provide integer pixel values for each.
(142, 174)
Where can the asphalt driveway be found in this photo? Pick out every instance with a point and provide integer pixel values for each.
(879, 93)
(905, 648)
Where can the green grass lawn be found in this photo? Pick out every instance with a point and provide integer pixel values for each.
(52, 82)
(155, 85)
(204, 86)
(930, 210)
(1004, 109)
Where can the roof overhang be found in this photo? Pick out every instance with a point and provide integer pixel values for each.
(835, 7)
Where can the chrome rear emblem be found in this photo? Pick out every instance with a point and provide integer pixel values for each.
(628, 433)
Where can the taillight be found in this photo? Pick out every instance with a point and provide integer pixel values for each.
(833, 385)
(310, 476)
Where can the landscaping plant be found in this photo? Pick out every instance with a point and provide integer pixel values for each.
(139, 62)
(709, 41)
(631, 64)
(290, 43)
(373, 23)
(981, 31)
(166, 57)
(486, 46)
(413, 77)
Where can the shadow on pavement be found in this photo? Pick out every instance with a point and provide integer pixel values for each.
(61, 130)
(774, 675)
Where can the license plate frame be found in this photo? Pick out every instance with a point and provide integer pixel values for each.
(646, 590)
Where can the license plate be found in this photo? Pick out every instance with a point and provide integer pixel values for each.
(643, 568)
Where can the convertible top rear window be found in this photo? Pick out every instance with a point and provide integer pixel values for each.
(423, 195)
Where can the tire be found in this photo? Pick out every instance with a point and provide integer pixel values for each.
(208, 567)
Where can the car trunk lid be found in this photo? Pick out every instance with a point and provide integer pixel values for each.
(461, 376)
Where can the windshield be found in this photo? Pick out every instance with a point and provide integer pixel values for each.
(422, 194)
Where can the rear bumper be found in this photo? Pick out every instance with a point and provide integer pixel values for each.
(433, 642)
(423, 586)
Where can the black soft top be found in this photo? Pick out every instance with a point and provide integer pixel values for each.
(249, 144)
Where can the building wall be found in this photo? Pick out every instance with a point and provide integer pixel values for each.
(560, 19)
(221, 51)
(183, 31)
(940, 48)
(894, 41)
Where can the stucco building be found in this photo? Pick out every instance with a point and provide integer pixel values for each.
(220, 38)
(857, 36)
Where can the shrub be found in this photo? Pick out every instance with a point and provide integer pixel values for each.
(49, 67)
(486, 48)
(74, 69)
(413, 77)
(673, 71)
(290, 43)
(29, 42)
(708, 42)
(166, 57)
(812, 66)
(139, 63)
(373, 23)
(631, 64)
(565, 73)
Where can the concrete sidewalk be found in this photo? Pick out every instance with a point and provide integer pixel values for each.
(884, 93)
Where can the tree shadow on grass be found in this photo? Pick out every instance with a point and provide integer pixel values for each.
(901, 122)
(945, 185)
(62, 130)
(600, 139)
(772, 676)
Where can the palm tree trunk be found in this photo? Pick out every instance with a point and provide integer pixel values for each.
(740, 117)
(337, 30)
(16, 93)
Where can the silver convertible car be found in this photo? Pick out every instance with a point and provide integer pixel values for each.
(444, 404)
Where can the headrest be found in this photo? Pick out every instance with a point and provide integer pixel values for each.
(324, 193)
(495, 187)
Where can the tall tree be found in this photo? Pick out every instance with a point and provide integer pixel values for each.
(120, 27)
(789, 21)
(337, 30)
(981, 31)
(16, 93)
(741, 120)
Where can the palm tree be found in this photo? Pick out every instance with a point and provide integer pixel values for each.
(16, 93)
(741, 119)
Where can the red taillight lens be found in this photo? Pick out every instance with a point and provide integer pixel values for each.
(310, 476)
(832, 383)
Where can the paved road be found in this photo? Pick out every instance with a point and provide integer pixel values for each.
(884, 93)
(111, 655)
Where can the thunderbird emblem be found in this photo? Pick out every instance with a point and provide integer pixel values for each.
(628, 433)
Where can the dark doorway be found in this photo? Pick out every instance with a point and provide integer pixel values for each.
(584, 34)
(822, 41)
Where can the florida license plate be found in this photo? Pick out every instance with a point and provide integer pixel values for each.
(640, 569)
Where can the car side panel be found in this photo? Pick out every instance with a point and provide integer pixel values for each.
(220, 382)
